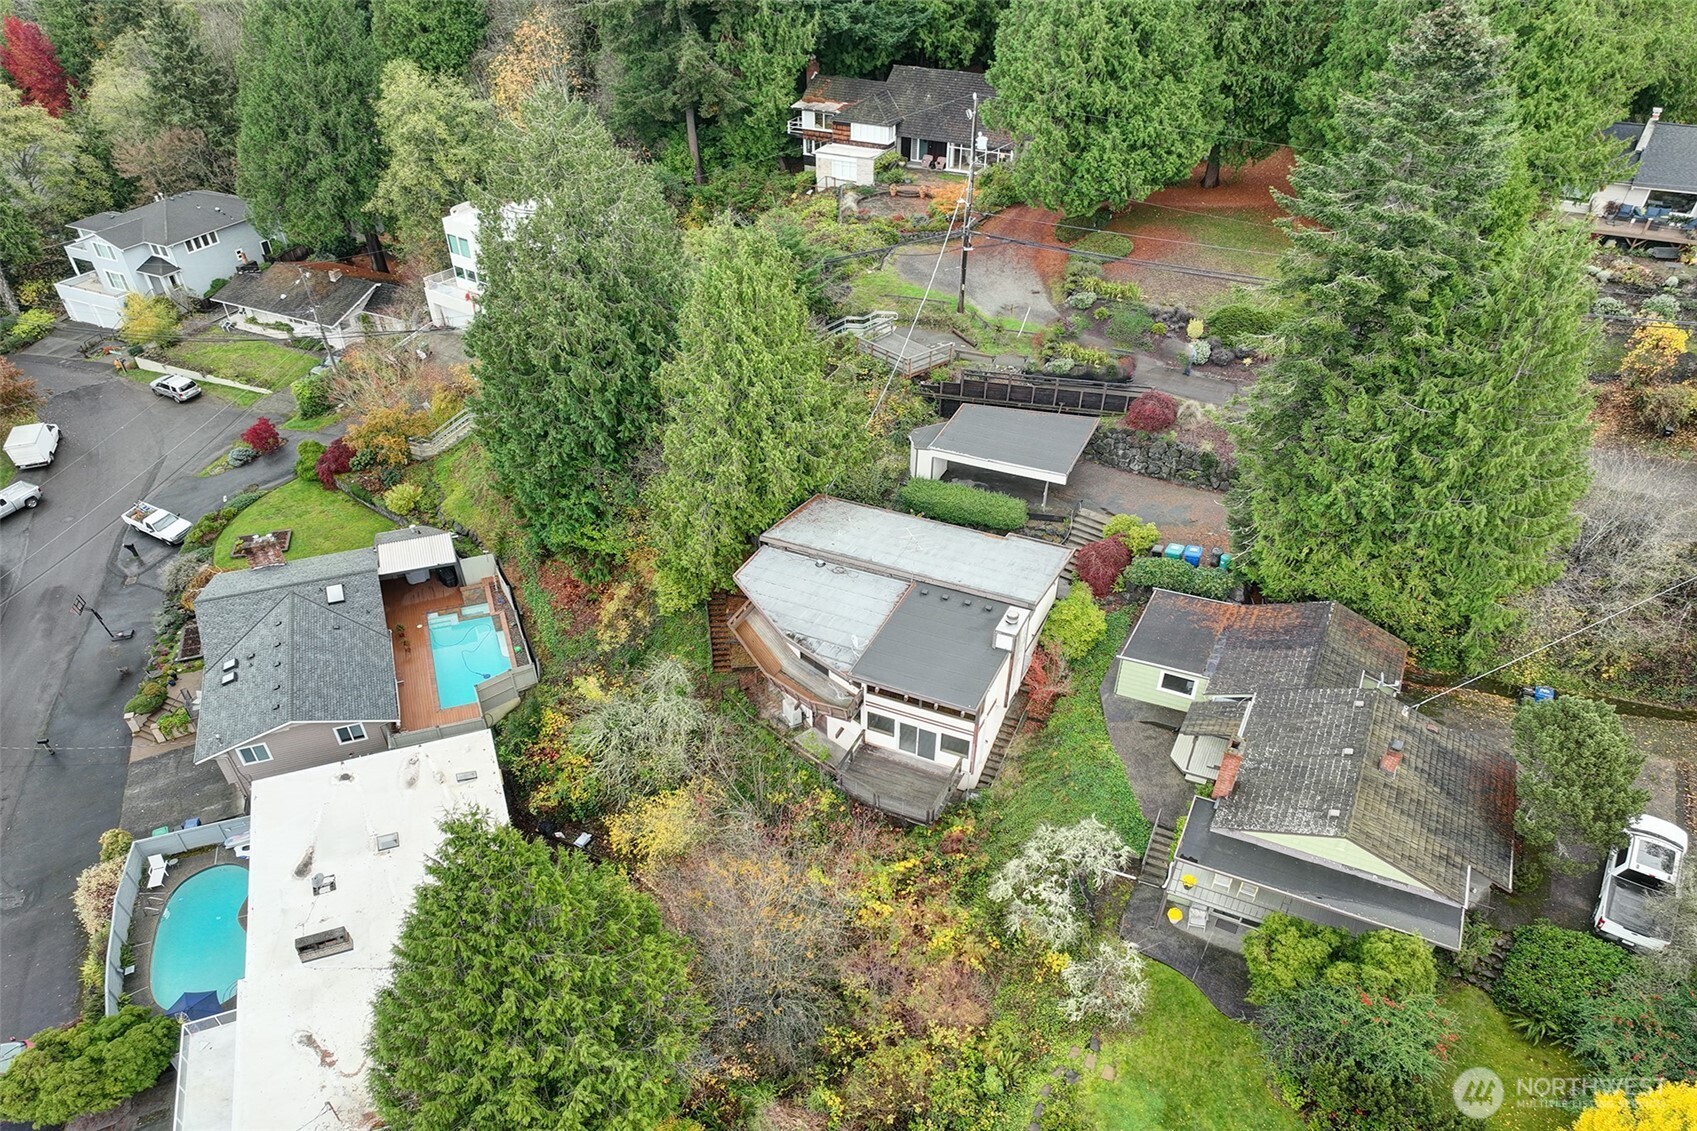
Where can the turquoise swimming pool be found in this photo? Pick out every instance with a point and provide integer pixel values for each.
(464, 652)
(200, 944)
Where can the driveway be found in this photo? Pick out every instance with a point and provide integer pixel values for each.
(61, 672)
(1181, 512)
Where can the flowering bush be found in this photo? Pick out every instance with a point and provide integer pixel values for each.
(96, 888)
(1112, 984)
(1040, 886)
(1151, 412)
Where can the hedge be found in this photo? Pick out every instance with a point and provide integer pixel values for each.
(1554, 977)
(306, 458)
(1238, 321)
(1166, 573)
(963, 505)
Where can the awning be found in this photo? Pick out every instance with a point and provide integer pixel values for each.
(765, 644)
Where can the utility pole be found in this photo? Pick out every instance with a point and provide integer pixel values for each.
(966, 230)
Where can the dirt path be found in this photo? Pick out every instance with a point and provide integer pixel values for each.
(1004, 280)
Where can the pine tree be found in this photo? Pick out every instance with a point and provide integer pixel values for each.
(435, 132)
(576, 314)
(1115, 98)
(1575, 788)
(1262, 48)
(307, 153)
(753, 424)
(1357, 47)
(27, 55)
(1417, 451)
(530, 991)
(440, 36)
(189, 88)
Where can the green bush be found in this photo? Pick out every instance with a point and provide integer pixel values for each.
(148, 699)
(114, 844)
(312, 395)
(1106, 243)
(1285, 954)
(1128, 325)
(1138, 536)
(1165, 573)
(1076, 623)
(29, 327)
(91, 1067)
(1072, 229)
(1553, 977)
(1119, 291)
(214, 287)
(1663, 306)
(1238, 321)
(404, 498)
(306, 459)
(962, 505)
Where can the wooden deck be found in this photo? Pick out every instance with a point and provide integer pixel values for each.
(1636, 232)
(896, 784)
(409, 606)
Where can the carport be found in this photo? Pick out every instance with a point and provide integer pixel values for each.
(1040, 446)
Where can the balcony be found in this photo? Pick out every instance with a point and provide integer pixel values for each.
(795, 127)
(453, 300)
(88, 299)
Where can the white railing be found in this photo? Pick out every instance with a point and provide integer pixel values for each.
(189, 1029)
(873, 324)
(795, 125)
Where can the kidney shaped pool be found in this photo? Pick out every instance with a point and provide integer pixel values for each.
(201, 944)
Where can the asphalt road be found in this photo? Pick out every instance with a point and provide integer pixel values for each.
(59, 673)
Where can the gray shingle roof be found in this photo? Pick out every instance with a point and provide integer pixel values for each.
(925, 102)
(153, 265)
(1669, 160)
(298, 657)
(293, 292)
(1043, 441)
(938, 645)
(839, 90)
(1311, 767)
(169, 221)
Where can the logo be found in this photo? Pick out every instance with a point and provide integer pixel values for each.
(1478, 1093)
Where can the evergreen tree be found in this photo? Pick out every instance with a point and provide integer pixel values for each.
(862, 38)
(958, 33)
(1115, 97)
(1356, 49)
(27, 56)
(189, 88)
(1576, 789)
(69, 24)
(580, 286)
(1262, 48)
(440, 36)
(307, 155)
(530, 990)
(764, 45)
(753, 424)
(435, 132)
(1417, 450)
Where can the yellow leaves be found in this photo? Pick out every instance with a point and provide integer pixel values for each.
(625, 611)
(1671, 1107)
(1652, 352)
(537, 53)
(1052, 965)
(589, 688)
(656, 829)
(1193, 329)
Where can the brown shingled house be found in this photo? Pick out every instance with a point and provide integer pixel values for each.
(1331, 799)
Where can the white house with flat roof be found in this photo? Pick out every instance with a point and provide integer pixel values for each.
(172, 245)
(452, 294)
(337, 853)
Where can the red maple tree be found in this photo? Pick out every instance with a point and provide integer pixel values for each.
(1100, 564)
(1153, 411)
(262, 436)
(337, 459)
(28, 56)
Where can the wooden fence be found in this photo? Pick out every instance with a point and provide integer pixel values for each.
(1034, 391)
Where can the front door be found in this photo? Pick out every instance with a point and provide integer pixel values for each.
(154, 284)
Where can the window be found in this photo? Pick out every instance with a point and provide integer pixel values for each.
(116, 281)
(808, 145)
(882, 724)
(460, 246)
(465, 273)
(353, 732)
(1177, 684)
(815, 120)
(102, 250)
(159, 251)
(199, 242)
(255, 754)
(954, 744)
(914, 740)
(873, 135)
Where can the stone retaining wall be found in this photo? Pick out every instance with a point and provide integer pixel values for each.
(1161, 457)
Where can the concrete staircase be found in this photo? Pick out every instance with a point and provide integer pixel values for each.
(1086, 528)
(1160, 848)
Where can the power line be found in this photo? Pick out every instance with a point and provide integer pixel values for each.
(895, 362)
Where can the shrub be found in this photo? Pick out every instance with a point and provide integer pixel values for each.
(31, 326)
(1158, 329)
(1285, 953)
(1607, 306)
(1048, 887)
(96, 889)
(148, 698)
(1200, 352)
(262, 436)
(1075, 624)
(181, 571)
(1152, 412)
(306, 458)
(1662, 306)
(1237, 322)
(1127, 325)
(19, 396)
(1082, 300)
(1165, 573)
(1116, 244)
(115, 844)
(1668, 406)
(1120, 291)
(1643, 1026)
(963, 505)
(214, 287)
(312, 395)
(173, 723)
(91, 1067)
(1100, 564)
(1046, 680)
(1652, 352)
(149, 320)
(1084, 355)
(404, 498)
(240, 454)
(390, 424)
(1553, 977)
(1112, 984)
(1139, 536)
(337, 460)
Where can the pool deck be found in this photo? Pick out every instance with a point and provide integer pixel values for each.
(138, 987)
(410, 607)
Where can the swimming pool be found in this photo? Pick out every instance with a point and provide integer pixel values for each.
(200, 944)
(464, 654)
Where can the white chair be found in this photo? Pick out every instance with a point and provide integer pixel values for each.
(156, 867)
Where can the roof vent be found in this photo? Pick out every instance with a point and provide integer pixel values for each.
(925, 592)
(1348, 751)
(231, 664)
(322, 883)
(335, 595)
(323, 944)
(1334, 812)
(465, 776)
(227, 678)
(388, 841)
(250, 655)
(1361, 702)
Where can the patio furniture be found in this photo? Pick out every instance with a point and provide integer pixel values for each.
(156, 868)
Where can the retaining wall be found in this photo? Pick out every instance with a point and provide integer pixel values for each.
(1161, 457)
(152, 366)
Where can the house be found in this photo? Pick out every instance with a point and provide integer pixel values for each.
(175, 245)
(1038, 446)
(316, 660)
(1331, 799)
(900, 641)
(332, 302)
(1657, 196)
(923, 113)
(320, 934)
(453, 294)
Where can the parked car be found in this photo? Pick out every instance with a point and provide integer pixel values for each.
(1635, 879)
(33, 445)
(158, 523)
(176, 386)
(16, 496)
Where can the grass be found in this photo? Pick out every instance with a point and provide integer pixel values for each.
(323, 522)
(267, 364)
(1487, 1040)
(456, 471)
(310, 423)
(1188, 1068)
(1070, 771)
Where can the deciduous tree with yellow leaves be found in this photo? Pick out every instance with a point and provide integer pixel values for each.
(1652, 352)
(1671, 1107)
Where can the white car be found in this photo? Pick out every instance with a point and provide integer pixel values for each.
(16, 496)
(158, 523)
(176, 386)
(1634, 881)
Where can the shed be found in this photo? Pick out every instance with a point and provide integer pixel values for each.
(842, 164)
(1042, 446)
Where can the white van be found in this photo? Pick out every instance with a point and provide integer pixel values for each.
(32, 445)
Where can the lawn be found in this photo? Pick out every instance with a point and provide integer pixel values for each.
(1487, 1040)
(323, 522)
(1241, 242)
(1188, 1068)
(310, 423)
(268, 364)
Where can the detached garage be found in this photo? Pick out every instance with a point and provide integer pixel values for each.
(1039, 446)
(839, 164)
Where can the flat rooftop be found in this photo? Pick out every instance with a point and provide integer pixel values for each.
(302, 1025)
(1041, 445)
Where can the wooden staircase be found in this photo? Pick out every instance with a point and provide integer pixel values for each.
(1160, 848)
(1014, 719)
(727, 654)
(1086, 528)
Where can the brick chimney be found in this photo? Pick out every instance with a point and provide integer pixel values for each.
(1649, 128)
(1229, 766)
(1392, 758)
(811, 70)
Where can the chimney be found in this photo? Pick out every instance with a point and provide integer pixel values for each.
(1392, 758)
(335, 276)
(1649, 128)
(812, 69)
(1229, 766)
